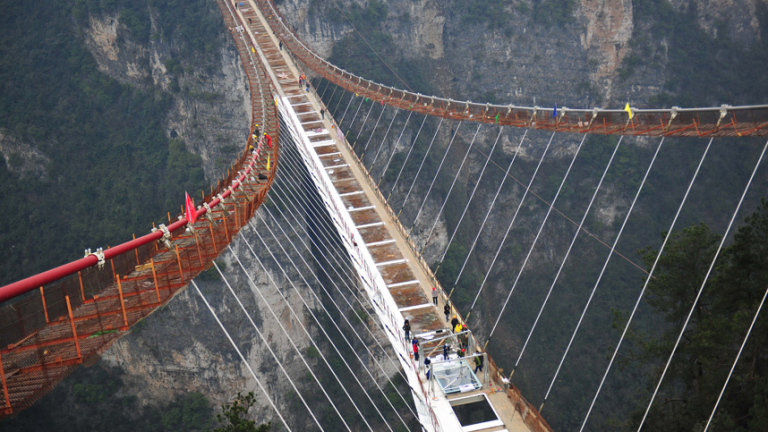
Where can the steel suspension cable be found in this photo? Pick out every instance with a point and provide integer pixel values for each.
(424, 159)
(290, 340)
(339, 290)
(736, 361)
(533, 245)
(698, 295)
(309, 336)
(488, 213)
(450, 189)
(346, 109)
(341, 313)
(333, 113)
(362, 101)
(394, 148)
(381, 146)
(645, 285)
(344, 281)
(319, 302)
(506, 234)
(365, 120)
(345, 266)
(437, 173)
(373, 132)
(474, 189)
(330, 99)
(413, 145)
(240, 354)
(602, 271)
(567, 253)
(323, 268)
(324, 90)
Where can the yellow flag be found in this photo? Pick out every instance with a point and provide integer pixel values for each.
(268, 163)
(628, 110)
(253, 50)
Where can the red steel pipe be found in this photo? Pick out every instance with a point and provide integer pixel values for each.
(26, 285)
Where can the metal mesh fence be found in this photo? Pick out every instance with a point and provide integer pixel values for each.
(46, 333)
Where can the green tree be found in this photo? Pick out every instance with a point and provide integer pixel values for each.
(232, 416)
(714, 334)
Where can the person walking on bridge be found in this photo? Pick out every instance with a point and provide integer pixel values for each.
(416, 351)
(322, 113)
(447, 311)
(434, 296)
(407, 330)
(454, 322)
(479, 362)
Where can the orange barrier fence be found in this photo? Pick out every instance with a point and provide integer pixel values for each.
(722, 121)
(45, 334)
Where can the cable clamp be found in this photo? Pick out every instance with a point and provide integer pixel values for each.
(99, 254)
(208, 212)
(672, 115)
(166, 236)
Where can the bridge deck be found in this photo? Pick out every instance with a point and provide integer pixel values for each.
(400, 267)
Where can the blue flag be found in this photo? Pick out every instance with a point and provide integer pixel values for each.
(554, 112)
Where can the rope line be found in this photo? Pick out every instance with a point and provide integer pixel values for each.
(402, 167)
(567, 253)
(381, 146)
(488, 213)
(240, 354)
(365, 120)
(735, 361)
(320, 303)
(373, 132)
(346, 109)
(394, 148)
(645, 285)
(424, 159)
(309, 336)
(535, 239)
(338, 289)
(474, 189)
(698, 295)
(437, 173)
(344, 265)
(237, 298)
(602, 271)
(506, 234)
(450, 189)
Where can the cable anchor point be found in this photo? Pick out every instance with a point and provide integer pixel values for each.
(99, 254)
(166, 236)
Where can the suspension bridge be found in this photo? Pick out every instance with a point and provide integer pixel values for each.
(54, 321)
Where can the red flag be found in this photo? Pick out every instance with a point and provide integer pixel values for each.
(191, 212)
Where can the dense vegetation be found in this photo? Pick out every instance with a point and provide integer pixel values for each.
(717, 328)
(94, 400)
(109, 169)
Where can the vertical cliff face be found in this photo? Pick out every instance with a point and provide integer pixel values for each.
(210, 108)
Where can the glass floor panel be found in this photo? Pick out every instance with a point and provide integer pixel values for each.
(455, 376)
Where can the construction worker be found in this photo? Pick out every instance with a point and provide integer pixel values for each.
(407, 330)
(434, 296)
(427, 362)
(458, 328)
(454, 322)
(465, 337)
(445, 351)
(256, 133)
(415, 344)
(447, 311)
(461, 353)
(268, 140)
(479, 362)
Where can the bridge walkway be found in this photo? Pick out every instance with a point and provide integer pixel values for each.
(384, 237)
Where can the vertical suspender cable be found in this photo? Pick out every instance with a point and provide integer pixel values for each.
(365, 120)
(645, 285)
(381, 146)
(373, 132)
(602, 271)
(506, 233)
(423, 159)
(567, 253)
(245, 362)
(394, 148)
(346, 109)
(533, 245)
(698, 295)
(437, 173)
(413, 145)
(450, 189)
